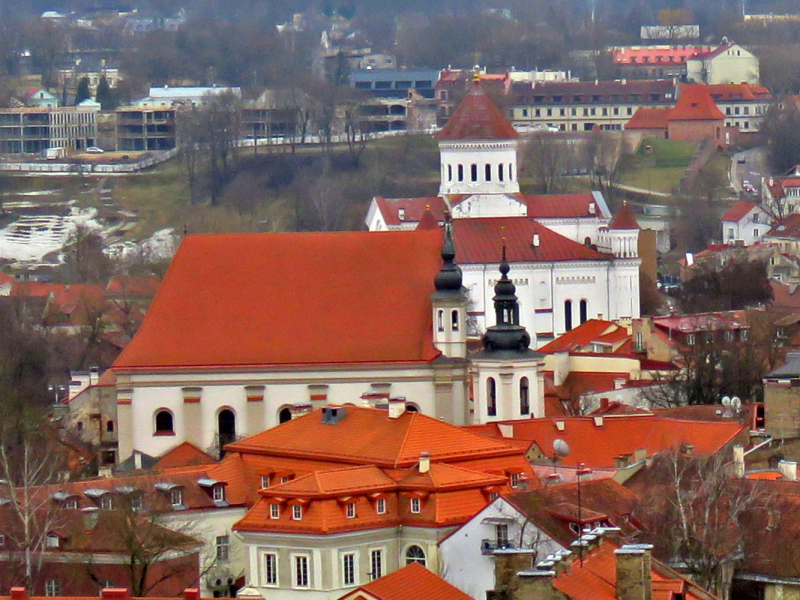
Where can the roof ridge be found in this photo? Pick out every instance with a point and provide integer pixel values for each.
(405, 437)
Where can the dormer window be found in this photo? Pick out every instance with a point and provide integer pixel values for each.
(176, 497)
(350, 510)
(274, 511)
(264, 481)
(297, 512)
(53, 541)
(415, 505)
(515, 478)
(380, 506)
(218, 493)
(107, 502)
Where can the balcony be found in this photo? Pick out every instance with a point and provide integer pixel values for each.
(488, 546)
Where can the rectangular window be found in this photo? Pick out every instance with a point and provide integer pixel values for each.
(691, 339)
(638, 343)
(106, 502)
(223, 548)
(219, 493)
(301, 571)
(270, 569)
(176, 497)
(501, 535)
(297, 512)
(285, 479)
(264, 481)
(743, 334)
(376, 564)
(349, 569)
(351, 510)
(274, 511)
(415, 506)
(52, 587)
(380, 506)
(515, 480)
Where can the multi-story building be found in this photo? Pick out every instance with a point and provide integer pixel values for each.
(32, 130)
(584, 106)
(743, 104)
(655, 62)
(146, 128)
(728, 63)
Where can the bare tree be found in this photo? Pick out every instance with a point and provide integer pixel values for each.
(695, 513)
(546, 159)
(190, 138)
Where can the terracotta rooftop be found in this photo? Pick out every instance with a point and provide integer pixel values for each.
(738, 211)
(481, 241)
(654, 55)
(183, 455)
(624, 219)
(284, 292)
(728, 92)
(477, 118)
(580, 336)
(788, 227)
(649, 118)
(695, 104)
(412, 582)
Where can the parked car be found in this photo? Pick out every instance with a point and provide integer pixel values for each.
(94, 150)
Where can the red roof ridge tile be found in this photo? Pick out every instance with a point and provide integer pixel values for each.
(477, 118)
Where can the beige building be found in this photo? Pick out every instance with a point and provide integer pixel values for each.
(142, 128)
(32, 130)
(729, 63)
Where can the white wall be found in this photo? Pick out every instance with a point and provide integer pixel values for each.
(467, 153)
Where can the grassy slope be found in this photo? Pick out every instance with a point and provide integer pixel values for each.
(662, 169)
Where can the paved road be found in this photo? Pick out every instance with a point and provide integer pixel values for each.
(751, 166)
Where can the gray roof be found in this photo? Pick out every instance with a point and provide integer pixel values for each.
(790, 369)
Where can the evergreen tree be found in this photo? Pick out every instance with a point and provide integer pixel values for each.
(105, 95)
(83, 91)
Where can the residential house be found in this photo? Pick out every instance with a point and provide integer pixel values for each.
(545, 521)
(39, 98)
(745, 223)
(586, 106)
(84, 547)
(744, 104)
(92, 415)
(412, 582)
(185, 96)
(785, 234)
(91, 68)
(654, 62)
(727, 63)
(781, 195)
(330, 516)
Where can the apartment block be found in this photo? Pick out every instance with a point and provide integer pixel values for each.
(32, 130)
(141, 128)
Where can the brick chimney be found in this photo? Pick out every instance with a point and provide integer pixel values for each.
(424, 462)
(507, 563)
(19, 593)
(634, 572)
(191, 594)
(788, 469)
(115, 594)
(738, 461)
(397, 406)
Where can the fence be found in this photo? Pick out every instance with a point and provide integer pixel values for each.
(80, 168)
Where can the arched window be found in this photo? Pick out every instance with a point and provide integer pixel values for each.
(226, 428)
(474, 172)
(491, 397)
(584, 308)
(524, 396)
(415, 554)
(164, 422)
(454, 320)
(511, 172)
(488, 172)
(449, 172)
(110, 426)
(284, 416)
(461, 172)
(568, 315)
(500, 172)
(440, 320)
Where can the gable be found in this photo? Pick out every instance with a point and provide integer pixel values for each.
(489, 205)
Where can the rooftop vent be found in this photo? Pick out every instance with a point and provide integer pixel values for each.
(331, 415)
(535, 240)
(401, 214)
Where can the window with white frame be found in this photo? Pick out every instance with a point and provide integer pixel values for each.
(501, 535)
(53, 541)
(223, 546)
(265, 481)
(376, 564)
(52, 587)
(274, 511)
(380, 506)
(176, 496)
(351, 510)
(270, 569)
(349, 569)
(218, 492)
(297, 512)
(301, 571)
(691, 339)
(415, 505)
(415, 554)
(136, 502)
(71, 503)
(515, 479)
(285, 479)
(106, 502)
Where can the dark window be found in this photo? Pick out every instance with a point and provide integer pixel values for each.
(488, 172)
(449, 172)
(491, 397)
(227, 427)
(454, 320)
(164, 422)
(500, 172)
(474, 172)
(461, 172)
(568, 315)
(524, 396)
(415, 554)
(584, 308)
(110, 426)
(284, 416)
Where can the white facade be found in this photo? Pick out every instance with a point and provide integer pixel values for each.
(505, 389)
(194, 401)
(467, 562)
(489, 205)
(749, 229)
(734, 64)
(471, 167)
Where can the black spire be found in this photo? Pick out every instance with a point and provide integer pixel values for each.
(449, 277)
(508, 334)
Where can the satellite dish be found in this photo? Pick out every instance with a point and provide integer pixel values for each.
(726, 401)
(736, 403)
(560, 447)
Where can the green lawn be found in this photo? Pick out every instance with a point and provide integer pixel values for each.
(660, 168)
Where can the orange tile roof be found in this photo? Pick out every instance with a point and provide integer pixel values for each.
(412, 582)
(738, 91)
(597, 445)
(413, 208)
(765, 475)
(555, 206)
(649, 118)
(479, 241)
(580, 336)
(132, 286)
(443, 477)
(695, 104)
(738, 211)
(650, 55)
(281, 305)
(477, 118)
(350, 480)
(373, 438)
(183, 455)
(624, 219)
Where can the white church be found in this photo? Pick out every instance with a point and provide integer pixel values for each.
(251, 330)
(570, 260)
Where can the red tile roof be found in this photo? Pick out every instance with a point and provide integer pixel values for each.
(649, 55)
(788, 227)
(695, 104)
(481, 241)
(126, 285)
(428, 221)
(738, 211)
(649, 118)
(477, 118)
(624, 219)
(580, 336)
(413, 208)
(412, 582)
(597, 445)
(555, 206)
(728, 92)
(183, 455)
(292, 294)
(373, 438)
